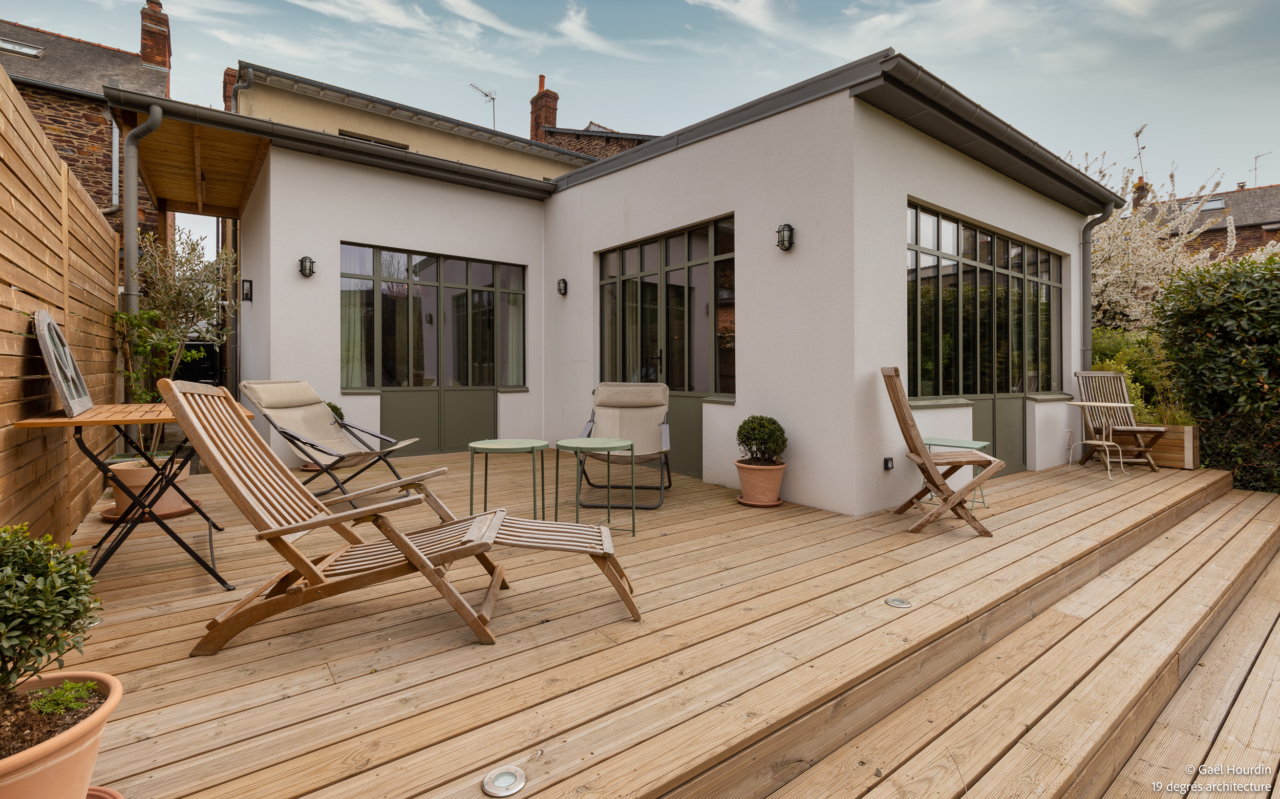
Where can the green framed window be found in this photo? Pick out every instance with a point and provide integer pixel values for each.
(984, 311)
(668, 311)
(423, 320)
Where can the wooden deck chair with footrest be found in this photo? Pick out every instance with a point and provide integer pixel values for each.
(282, 510)
(936, 466)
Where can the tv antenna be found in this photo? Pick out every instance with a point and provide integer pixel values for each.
(490, 97)
(1255, 168)
(1137, 138)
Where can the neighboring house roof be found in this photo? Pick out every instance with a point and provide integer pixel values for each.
(365, 102)
(904, 90)
(83, 67)
(1246, 207)
(595, 129)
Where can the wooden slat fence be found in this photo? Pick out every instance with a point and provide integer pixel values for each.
(59, 254)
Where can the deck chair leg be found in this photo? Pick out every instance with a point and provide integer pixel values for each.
(617, 567)
(923, 492)
(491, 567)
(618, 585)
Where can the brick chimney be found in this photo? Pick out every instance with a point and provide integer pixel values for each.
(156, 48)
(542, 110)
(1140, 191)
(230, 77)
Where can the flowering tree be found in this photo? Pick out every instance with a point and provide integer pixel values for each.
(1144, 243)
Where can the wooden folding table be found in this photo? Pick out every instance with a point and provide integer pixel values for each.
(139, 510)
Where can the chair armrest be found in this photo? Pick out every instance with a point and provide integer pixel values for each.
(358, 429)
(385, 487)
(666, 436)
(589, 426)
(294, 438)
(358, 515)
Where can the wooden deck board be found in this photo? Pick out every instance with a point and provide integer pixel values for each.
(384, 691)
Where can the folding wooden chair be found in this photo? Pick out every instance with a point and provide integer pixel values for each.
(1109, 423)
(282, 510)
(929, 463)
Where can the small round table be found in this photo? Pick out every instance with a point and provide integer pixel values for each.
(508, 446)
(580, 446)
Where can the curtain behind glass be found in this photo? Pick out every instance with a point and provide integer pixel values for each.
(357, 333)
(511, 349)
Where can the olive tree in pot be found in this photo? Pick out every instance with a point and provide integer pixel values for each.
(184, 297)
(762, 441)
(50, 725)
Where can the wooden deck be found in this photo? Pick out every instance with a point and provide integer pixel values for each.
(766, 644)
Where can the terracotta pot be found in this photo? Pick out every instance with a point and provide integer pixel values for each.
(760, 484)
(61, 767)
(135, 475)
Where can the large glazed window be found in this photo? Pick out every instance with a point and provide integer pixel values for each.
(984, 312)
(667, 310)
(420, 320)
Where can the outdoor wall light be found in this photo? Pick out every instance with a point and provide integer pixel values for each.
(562, 287)
(786, 236)
(308, 267)
(246, 290)
(503, 781)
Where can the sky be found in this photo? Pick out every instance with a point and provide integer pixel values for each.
(1078, 76)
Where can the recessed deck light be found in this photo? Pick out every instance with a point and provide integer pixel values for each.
(503, 781)
(897, 602)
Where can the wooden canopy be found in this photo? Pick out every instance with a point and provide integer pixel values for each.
(190, 168)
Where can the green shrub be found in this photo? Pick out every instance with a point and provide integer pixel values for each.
(336, 411)
(762, 440)
(65, 698)
(46, 604)
(1108, 343)
(1221, 329)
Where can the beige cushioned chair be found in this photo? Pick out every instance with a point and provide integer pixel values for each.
(303, 419)
(636, 412)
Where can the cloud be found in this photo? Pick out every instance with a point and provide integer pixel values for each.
(469, 9)
(378, 12)
(207, 11)
(577, 30)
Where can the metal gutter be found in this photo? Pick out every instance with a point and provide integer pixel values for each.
(235, 92)
(1086, 283)
(433, 120)
(337, 147)
(901, 88)
(154, 119)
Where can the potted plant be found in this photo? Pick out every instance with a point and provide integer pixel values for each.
(762, 441)
(50, 726)
(183, 296)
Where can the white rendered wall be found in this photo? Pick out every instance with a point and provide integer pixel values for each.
(255, 260)
(1049, 425)
(814, 325)
(313, 205)
(894, 163)
(794, 344)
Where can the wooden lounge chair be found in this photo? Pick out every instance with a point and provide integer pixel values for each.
(282, 510)
(936, 466)
(303, 419)
(1135, 441)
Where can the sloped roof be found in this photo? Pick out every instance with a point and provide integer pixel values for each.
(1246, 207)
(76, 64)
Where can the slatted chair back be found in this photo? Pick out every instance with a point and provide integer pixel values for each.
(1105, 387)
(907, 422)
(634, 412)
(255, 478)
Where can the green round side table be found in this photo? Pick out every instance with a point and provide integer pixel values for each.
(510, 446)
(580, 446)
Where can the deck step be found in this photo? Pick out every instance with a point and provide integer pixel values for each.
(953, 739)
(725, 730)
(1225, 714)
(808, 714)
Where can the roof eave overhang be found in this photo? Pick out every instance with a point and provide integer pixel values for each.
(336, 147)
(367, 102)
(909, 93)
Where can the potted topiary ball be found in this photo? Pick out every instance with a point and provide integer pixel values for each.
(50, 726)
(762, 441)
